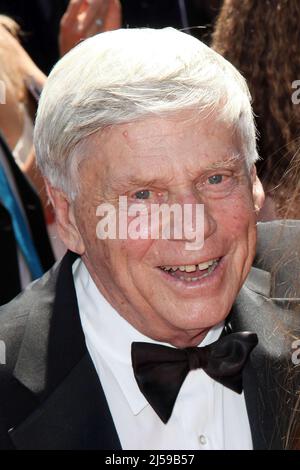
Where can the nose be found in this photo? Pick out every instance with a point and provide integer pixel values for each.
(210, 224)
(198, 221)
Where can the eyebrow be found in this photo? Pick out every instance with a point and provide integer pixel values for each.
(227, 162)
(133, 180)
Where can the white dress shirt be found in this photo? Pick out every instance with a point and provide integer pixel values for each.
(206, 414)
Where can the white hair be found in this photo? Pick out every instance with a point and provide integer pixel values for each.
(129, 74)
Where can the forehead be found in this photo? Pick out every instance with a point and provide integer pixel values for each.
(163, 145)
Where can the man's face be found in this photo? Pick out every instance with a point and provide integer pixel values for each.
(185, 160)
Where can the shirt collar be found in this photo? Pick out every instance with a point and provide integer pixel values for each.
(100, 322)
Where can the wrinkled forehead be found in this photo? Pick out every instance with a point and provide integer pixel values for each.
(157, 127)
(156, 145)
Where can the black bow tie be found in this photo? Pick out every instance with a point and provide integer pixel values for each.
(160, 370)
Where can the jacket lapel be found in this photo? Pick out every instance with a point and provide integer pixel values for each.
(267, 394)
(55, 366)
(74, 416)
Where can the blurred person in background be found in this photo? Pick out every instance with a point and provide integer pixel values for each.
(84, 18)
(46, 22)
(52, 27)
(261, 38)
(25, 248)
(39, 19)
(23, 82)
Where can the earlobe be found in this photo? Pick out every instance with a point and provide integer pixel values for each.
(65, 219)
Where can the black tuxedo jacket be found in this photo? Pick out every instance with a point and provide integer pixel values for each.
(10, 284)
(50, 394)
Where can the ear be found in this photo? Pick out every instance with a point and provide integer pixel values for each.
(257, 190)
(65, 219)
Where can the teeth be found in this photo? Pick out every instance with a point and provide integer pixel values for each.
(189, 268)
(203, 266)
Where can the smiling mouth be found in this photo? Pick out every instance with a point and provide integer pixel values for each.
(191, 272)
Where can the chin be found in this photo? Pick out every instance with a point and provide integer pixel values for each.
(193, 317)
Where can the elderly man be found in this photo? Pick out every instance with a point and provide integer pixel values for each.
(141, 341)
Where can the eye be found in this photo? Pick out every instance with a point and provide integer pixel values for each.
(215, 179)
(218, 185)
(143, 194)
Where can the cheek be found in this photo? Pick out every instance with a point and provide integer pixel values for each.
(87, 221)
(136, 252)
(124, 257)
(236, 219)
(237, 213)
(239, 228)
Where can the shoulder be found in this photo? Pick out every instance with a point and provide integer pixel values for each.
(278, 248)
(269, 301)
(38, 296)
(277, 235)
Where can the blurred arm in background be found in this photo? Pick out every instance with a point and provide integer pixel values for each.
(85, 18)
